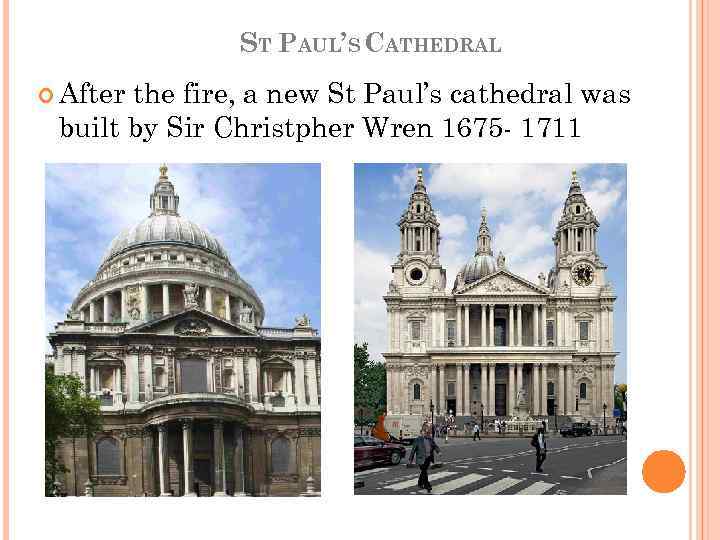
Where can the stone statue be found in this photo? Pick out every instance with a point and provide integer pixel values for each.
(191, 293)
(73, 315)
(392, 287)
(501, 260)
(302, 320)
(541, 279)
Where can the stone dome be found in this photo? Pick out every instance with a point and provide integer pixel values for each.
(478, 267)
(164, 229)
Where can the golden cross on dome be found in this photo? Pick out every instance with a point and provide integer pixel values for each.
(163, 171)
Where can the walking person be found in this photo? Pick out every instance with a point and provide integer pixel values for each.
(446, 431)
(476, 432)
(423, 450)
(539, 441)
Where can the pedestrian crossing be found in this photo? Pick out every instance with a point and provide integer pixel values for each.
(464, 483)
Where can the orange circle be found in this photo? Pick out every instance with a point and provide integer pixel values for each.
(45, 95)
(663, 471)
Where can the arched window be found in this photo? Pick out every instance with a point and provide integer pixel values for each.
(416, 391)
(108, 457)
(280, 451)
(550, 388)
(583, 390)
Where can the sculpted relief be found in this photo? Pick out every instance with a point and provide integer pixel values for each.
(192, 327)
(132, 302)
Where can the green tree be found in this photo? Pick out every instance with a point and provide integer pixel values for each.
(370, 384)
(620, 396)
(69, 413)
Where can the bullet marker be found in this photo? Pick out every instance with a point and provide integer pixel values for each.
(45, 95)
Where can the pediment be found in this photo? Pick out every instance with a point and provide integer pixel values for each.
(193, 322)
(501, 283)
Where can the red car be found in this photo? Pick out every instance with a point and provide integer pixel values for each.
(371, 451)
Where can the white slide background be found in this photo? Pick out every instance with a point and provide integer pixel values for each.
(611, 44)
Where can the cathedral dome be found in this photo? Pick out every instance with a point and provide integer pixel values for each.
(477, 268)
(165, 229)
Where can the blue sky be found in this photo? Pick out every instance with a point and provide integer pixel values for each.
(524, 203)
(267, 217)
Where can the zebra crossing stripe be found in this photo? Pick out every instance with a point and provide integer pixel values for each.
(410, 483)
(538, 488)
(497, 487)
(370, 471)
(457, 483)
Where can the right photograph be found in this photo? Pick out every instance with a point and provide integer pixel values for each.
(490, 329)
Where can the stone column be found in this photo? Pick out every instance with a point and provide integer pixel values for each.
(459, 391)
(163, 461)
(543, 325)
(93, 387)
(483, 325)
(208, 299)
(311, 380)
(560, 398)
(93, 317)
(166, 299)
(123, 306)
(543, 391)
(536, 389)
(187, 431)
(106, 308)
(484, 387)
(491, 390)
(458, 327)
(511, 390)
(491, 326)
(519, 325)
(219, 459)
(228, 315)
(569, 391)
(300, 394)
(536, 341)
(239, 462)
(511, 325)
(467, 326)
(466, 389)
(442, 406)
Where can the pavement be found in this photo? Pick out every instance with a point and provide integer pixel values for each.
(506, 466)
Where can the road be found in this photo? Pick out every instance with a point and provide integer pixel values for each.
(506, 466)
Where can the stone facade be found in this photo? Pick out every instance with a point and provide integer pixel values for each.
(197, 396)
(498, 344)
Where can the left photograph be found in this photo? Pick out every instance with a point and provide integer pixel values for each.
(182, 314)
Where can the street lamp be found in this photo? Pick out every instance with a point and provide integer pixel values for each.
(576, 402)
(482, 417)
(555, 408)
(604, 409)
(361, 420)
(432, 418)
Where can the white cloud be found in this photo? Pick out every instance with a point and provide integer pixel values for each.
(452, 225)
(405, 180)
(372, 275)
(498, 186)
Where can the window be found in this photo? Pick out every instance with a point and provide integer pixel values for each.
(584, 330)
(416, 274)
(280, 451)
(173, 257)
(550, 388)
(416, 330)
(156, 257)
(108, 457)
(416, 392)
(418, 208)
(583, 390)
(126, 262)
(141, 259)
(189, 259)
(451, 389)
(163, 203)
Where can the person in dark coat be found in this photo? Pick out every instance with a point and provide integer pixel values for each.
(539, 441)
(423, 450)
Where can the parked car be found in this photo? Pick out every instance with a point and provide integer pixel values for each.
(576, 429)
(371, 451)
